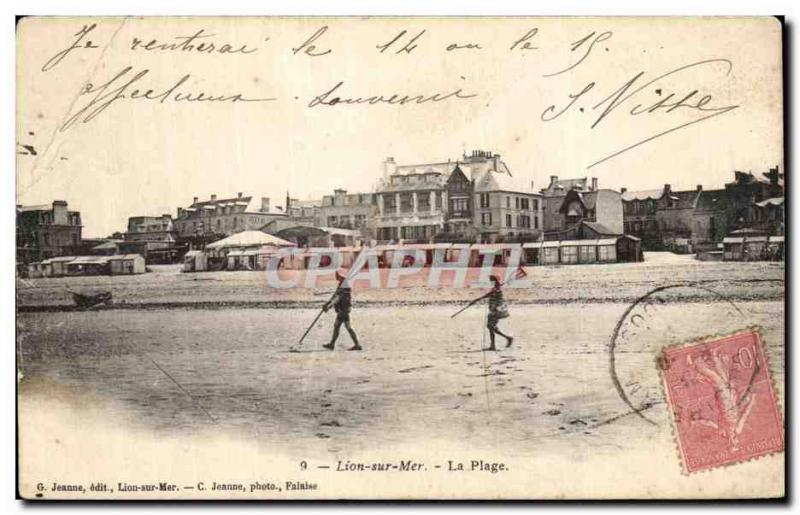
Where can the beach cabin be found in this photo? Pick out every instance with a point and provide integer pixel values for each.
(587, 251)
(733, 248)
(126, 264)
(194, 261)
(88, 265)
(385, 254)
(501, 256)
(428, 249)
(549, 254)
(455, 251)
(629, 249)
(532, 252)
(775, 248)
(56, 267)
(607, 250)
(569, 252)
(349, 255)
(752, 248)
(35, 270)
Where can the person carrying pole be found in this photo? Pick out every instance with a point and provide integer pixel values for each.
(498, 309)
(341, 302)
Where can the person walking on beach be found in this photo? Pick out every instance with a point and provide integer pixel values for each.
(498, 309)
(341, 302)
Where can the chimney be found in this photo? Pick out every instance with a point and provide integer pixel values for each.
(194, 201)
(553, 179)
(532, 186)
(594, 183)
(667, 188)
(213, 197)
(699, 187)
(60, 214)
(239, 195)
(265, 204)
(389, 167)
(774, 175)
(623, 189)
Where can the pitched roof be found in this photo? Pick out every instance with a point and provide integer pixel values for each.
(492, 180)
(685, 199)
(712, 200)
(249, 239)
(599, 228)
(108, 245)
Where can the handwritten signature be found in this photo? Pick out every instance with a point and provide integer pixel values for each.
(632, 93)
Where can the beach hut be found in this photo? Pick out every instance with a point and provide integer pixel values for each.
(349, 255)
(549, 253)
(428, 249)
(56, 267)
(587, 251)
(755, 248)
(501, 256)
(775, 248)
(607, 250)
(455, 251)
(88, 265)
(35, 270)
(733, 248)
(194, 261)
(385, 254)
(629, 249)
(568, 252)
(531, 252)
(126, 264)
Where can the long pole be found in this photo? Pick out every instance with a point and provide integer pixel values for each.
(475, 301)
(321, 311)
(312, 325)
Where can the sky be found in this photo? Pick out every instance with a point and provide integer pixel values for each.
(140, 156)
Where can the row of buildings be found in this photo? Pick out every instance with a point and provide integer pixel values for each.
(475, 198)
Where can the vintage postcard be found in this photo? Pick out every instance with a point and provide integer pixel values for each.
(414, 258)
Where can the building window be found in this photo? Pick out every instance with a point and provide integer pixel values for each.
(525, 221)
(535, 204)
(535, 222)
(508, 202)
(486, 218)
(484, 200)
(460, 205)
(423, 202)
(524, 204)
(516, 202)
(508, 219)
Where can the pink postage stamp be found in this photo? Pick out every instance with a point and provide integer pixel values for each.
(724, 408)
